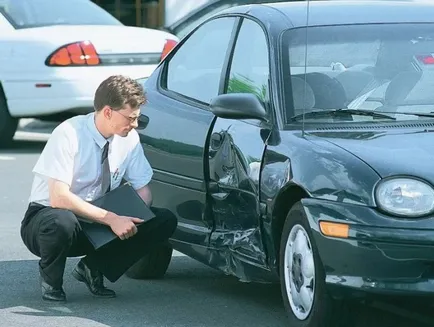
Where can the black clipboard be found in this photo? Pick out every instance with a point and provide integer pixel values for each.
(123, 201)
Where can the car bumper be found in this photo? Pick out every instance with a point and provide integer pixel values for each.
(64, 90)
(381, 255)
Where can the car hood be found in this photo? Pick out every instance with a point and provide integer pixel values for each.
(395, 152)
(107, 39)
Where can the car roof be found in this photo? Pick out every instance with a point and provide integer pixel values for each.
(209, 6)
(336, 12)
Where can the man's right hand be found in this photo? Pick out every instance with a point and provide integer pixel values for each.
(61, 197)
(123, 226)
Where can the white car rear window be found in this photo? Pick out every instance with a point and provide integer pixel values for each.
(37, 13)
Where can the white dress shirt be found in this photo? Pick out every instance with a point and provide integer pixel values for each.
(73, 155)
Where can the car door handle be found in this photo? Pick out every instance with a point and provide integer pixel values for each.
(143, 122)
(216, 141)
(216, 192)
(220, 196)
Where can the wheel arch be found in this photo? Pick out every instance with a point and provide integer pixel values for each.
(285, 200)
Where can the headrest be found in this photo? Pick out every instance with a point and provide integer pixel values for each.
(408, 85)
(394, 57)
(329, 93)
(354, 82)
(302, 94)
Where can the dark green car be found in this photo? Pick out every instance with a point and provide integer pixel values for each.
(300, 149)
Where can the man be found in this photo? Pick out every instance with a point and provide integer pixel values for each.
(85, 157)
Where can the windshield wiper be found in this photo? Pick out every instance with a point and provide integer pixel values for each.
(342, 112)
(419, 114)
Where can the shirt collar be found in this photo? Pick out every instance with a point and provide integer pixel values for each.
(96, 135)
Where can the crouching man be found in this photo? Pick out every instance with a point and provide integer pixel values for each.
(85, 157)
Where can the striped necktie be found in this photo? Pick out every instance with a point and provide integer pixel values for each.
(106, 178)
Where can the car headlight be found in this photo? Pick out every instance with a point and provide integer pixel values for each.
(405, 197)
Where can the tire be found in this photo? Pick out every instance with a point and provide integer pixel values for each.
(153, 265)
(8, 124)
(320, 309)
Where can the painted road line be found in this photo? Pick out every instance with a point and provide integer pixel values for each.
(31, 136)
(7, 158)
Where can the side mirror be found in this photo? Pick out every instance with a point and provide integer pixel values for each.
(238, 106)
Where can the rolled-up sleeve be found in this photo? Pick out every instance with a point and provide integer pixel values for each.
(138, 171)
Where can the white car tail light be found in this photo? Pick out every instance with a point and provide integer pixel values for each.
(74, 54)
(84, 54)
(168, 46)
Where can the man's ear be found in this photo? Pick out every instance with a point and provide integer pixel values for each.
(107, 112)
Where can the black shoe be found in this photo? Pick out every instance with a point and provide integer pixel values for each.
(94, 280)
(50, 293)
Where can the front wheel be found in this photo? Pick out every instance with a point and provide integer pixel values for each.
(302, 277)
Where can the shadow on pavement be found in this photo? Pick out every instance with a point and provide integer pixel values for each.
(23, 146)
(190, 295)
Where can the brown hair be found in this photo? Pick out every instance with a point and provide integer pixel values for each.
(118, 91)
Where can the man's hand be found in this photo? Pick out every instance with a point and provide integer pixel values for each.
(61, 197)
(123, 226)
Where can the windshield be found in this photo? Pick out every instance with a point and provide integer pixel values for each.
(382, 68)
(36, 13)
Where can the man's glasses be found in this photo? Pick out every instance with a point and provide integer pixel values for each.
(131, 119)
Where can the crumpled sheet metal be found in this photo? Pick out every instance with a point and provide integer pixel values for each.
(232, 249)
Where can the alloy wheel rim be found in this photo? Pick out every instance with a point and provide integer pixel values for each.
(299, 272)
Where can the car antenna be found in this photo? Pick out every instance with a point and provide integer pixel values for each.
(305, 64)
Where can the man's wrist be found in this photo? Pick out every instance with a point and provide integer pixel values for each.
(110, 218)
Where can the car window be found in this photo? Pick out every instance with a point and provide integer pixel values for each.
(195, 69)
(384, 67)
(249, 72)
(36, 13)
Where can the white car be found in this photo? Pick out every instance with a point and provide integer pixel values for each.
(53, 55)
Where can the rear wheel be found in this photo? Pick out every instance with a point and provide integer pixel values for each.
(8, 124)
(302, 277)
(153, 265)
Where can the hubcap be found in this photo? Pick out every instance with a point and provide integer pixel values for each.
(299, 272)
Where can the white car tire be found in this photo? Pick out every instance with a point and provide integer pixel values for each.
(8, 124)
(302, 277)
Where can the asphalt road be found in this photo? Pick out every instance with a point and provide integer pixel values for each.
(190, 295)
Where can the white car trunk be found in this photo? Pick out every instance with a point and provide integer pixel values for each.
(106, 39)
(24, 52)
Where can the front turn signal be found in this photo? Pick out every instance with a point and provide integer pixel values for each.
(334, 229)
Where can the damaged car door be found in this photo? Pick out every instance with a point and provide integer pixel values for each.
(235, 152)
(179, 122)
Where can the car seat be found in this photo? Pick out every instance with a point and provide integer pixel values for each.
(400, 88)
(302, 96)
(328, 91)
(355, 83)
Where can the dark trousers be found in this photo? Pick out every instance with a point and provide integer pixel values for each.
(55, 234)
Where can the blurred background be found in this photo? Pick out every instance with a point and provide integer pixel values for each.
(149, 13)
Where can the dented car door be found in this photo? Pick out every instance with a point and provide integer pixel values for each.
(235, 154)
